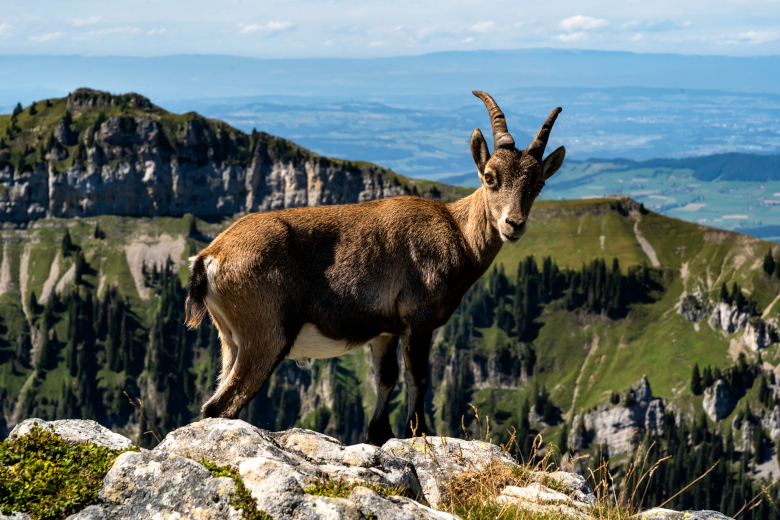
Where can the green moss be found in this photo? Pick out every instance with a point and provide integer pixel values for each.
(339, 489)
(241, 498)
(44, 476)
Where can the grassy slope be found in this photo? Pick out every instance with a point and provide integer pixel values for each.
(653, 339)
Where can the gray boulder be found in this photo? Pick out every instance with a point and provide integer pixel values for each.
(278, 467)
(152, 485)
(440, 459)
(77, 431)
(718, 401)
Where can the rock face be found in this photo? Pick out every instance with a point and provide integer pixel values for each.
(718, 401)
(772, 423)
(758, 334)
(620, 427)
(728, 318)
(138, 166)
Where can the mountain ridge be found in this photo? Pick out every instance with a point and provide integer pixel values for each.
(94, 153)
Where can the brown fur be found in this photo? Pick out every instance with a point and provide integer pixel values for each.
(370, 272)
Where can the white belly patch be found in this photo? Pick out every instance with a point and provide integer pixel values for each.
(311, 344)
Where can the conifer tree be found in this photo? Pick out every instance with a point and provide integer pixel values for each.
(563, 440)
(17, 110)
(98, 234)
(66, 245)
(707, 378)
(724, 294)
(696, 380)
(32, 109)
(769, 263)
(32, 304)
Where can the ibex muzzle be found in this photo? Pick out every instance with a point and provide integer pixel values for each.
(320, 282)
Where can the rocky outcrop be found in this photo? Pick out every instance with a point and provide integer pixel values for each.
(620, 427)
(758, 334)
(718, 401)
(64, 134)
(729, 318)
(771, 423)
(281, 472)
(692, 308)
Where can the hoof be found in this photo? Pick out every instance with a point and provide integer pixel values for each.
(378, 436)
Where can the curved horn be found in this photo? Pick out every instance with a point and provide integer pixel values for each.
(536, 148)
(501, 137)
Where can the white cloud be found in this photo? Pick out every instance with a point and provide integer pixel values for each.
(4, 27)
(468, 40)
(270, 26)
(46, 37)
(246, 29)
(113, 30)
(376, 44)
(483, 26)
(653, 25)
(571, 37)
(582, 23)
(78, 22)
(155, 31)
(278, 26)
(754, 37)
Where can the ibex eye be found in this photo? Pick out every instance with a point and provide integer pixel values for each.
(488, 178)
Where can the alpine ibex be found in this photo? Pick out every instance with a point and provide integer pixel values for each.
(319, 282)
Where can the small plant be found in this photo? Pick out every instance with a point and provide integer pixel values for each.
(44, 476)
(340, 489)
(241, 498)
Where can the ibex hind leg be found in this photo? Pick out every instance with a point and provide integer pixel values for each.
(229, 347)
(384, 355)
(256, 358)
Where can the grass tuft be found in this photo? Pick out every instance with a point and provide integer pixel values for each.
(327, 487)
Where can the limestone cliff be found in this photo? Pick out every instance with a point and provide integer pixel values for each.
(98, 154)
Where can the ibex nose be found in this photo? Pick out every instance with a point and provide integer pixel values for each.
(517, 226)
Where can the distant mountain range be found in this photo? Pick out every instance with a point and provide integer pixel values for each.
(443, 79)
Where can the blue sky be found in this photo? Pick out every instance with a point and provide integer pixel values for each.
(350, 28)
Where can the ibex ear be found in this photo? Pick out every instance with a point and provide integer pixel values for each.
(479, 151)
(552, 163)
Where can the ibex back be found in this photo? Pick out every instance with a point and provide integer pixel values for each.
(320, 282)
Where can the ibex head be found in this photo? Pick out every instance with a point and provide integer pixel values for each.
(512, 178)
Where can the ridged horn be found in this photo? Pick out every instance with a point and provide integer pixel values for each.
(501, 137)
(537, 146)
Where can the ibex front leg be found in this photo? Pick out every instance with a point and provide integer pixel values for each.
(384, 352)
(416, 345)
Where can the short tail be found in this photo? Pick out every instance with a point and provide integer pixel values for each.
(195, 307)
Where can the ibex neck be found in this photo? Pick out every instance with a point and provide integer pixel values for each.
(474, 221)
